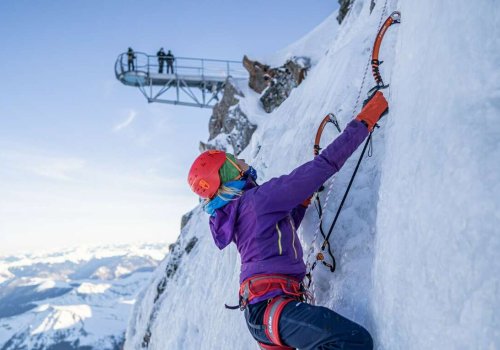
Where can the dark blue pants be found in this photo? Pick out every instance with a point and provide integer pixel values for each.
(308, 327)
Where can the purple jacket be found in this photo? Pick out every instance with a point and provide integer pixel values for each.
(263, 222)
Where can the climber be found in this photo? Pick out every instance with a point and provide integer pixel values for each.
(262, 221)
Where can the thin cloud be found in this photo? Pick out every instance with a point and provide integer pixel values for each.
(58, 169)
(48, 166)
(131, 116)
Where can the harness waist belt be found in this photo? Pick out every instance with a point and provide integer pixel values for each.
(259, 285)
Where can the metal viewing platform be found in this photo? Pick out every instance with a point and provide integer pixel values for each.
(196, 82)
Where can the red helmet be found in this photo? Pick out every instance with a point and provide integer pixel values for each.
(203, 176)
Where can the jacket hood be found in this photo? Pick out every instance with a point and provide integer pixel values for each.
(223, 223)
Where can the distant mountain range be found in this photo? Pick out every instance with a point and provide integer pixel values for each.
(74, 299)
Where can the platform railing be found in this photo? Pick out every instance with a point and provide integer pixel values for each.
(202, 67)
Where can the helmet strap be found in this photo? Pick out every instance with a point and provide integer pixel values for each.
(237, 168)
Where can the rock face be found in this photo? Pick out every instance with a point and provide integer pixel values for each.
(229, 127)
(345, 6)
(185, 219)
(276, 83)
(284, 80)
(260, 74)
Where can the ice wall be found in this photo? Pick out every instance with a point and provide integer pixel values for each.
(416, 241)
(437, 243)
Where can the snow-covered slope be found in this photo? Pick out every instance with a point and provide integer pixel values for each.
(417, 238)
(76, 299)
(313, 45)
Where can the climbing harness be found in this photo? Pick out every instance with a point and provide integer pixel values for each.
(259, 286)
(394, 18)
(280, 290)
(273, 347)
(271, 321)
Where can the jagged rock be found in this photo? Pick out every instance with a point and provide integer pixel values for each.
(229, 126)
(185, 218)
(345, 6)
(260, 74)
(279, 90)
(285, 79)
(191, 245)
(298, 67)
(218, 123)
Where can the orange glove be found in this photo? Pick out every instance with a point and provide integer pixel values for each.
(374, 108)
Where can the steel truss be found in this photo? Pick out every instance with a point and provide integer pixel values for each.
(195, 82)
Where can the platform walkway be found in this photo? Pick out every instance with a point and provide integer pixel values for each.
(196, 82)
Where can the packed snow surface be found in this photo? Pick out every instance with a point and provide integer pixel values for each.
(417, 242)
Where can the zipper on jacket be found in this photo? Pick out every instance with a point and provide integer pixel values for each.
(293, 233)
(280, 248)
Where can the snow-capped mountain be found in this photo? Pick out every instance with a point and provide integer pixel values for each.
(417, 241)
(75, 299)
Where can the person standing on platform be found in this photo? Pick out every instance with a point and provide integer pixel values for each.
(170, 62)
(130, 59)
(161, 60)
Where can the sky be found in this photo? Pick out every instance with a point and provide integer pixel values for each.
(85, 159)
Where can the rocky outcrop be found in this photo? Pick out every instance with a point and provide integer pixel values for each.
(284, 80)
(276, 83)
(229, 127)
(259, 74)
(185, 219)
(345, 6)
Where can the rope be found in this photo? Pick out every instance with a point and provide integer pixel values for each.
(368, 141)
(330, 186)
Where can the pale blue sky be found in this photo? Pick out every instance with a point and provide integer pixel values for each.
(71, 171)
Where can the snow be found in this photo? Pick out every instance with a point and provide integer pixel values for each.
(64, 317)
(191, 321)
(436, 264)
(93, 288)
(417, 241)
(250, 103)
(45, 284)
(71, 308)
(82, 253)
(5, 274)
(313, 45)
